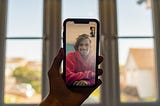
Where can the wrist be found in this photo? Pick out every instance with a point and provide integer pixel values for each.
(50, 101)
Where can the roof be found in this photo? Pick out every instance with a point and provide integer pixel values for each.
(15, 60)
(143, 57)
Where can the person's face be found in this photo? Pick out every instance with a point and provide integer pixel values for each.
(84, 47)
(91, 29)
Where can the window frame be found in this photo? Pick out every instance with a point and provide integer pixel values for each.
(110, 53)
(114, 45)
(3, 12)
(3, 38)
(52, 35)
(108, 28)
(50, 40)
(110, 95)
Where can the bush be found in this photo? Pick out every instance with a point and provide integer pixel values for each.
(26, 75)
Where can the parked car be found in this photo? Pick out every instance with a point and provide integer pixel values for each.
(23, 89)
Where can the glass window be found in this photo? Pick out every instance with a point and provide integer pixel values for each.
(138, 80)
(134, 18)
(24, 18)
(73, 9)
(137, 70)
(23, 61)
(23, 71)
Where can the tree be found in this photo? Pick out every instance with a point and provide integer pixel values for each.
(26, 75)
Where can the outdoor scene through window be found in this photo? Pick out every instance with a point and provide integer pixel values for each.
(138, 80)
(23, 61)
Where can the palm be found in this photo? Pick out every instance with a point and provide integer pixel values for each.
(58, 88)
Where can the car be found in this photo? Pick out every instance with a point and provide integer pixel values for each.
(23, 89)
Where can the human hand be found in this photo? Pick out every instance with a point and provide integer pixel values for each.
(59, 94)
(80, 83)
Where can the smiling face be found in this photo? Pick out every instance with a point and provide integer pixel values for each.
(84, 47)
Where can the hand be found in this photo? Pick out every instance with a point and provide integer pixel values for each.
(59, 94)
(80, 83)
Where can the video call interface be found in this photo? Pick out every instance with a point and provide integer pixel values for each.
(81, 53)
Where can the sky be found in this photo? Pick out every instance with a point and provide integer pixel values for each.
(133, 20)
(25, 20)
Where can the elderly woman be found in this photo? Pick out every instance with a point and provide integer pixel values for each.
(80, 64)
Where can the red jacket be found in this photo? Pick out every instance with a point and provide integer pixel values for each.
(80, 69)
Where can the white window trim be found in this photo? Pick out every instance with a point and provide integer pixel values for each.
(156, 29)
(111, 88)
(108, 25)
(52, 34)
(51, 42)
(3, 11)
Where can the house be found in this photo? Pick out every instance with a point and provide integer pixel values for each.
(140, 71)
(34, 65)
(122, 78)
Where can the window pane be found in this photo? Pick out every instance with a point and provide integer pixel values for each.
(24, 18)
(82, 9)
(134, 18)
(138, 80)
(23, 70)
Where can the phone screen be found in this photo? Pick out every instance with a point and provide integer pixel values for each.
(81, 50)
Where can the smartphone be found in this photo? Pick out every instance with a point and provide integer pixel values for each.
(81, 48)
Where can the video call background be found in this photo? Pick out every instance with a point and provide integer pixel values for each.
(74, 30)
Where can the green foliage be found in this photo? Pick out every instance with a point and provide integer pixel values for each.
(10, 99)
(36, 85)
(26, 75)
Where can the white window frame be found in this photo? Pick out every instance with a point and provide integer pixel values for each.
(3, 9)
(111, 87)
(52, 34)
(52, 42)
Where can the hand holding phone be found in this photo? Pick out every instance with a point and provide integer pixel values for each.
(81, 47)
